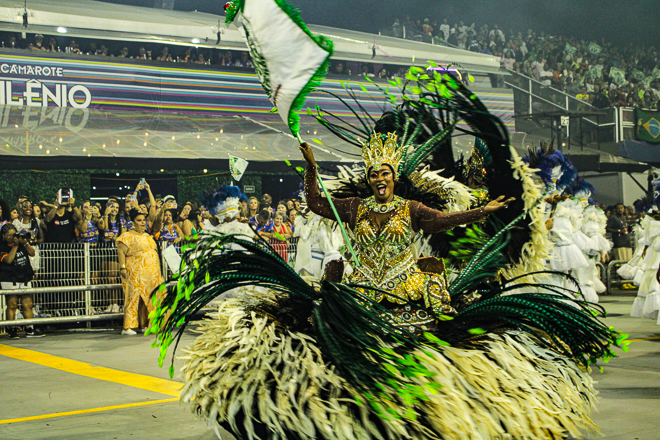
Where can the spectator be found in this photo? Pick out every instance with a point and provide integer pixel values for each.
(187, 56)
(444, 30)
(123, 53)
(397, 29)
(16, 273)
(28, 222)
(143, 54)
(38, 214)
(244, 209)
(291, 220)
(93, 50)
(112, 222)
(5, 212)
(339, 68)
(281, 208)
(61, 222)
(38, 43)
(103, 51)
(268, 200)
(296, 204)
(253, 210)
(52, 45)
(192, 226)
(264, 224)
(200, 58)
(366, 70)
(170, 233)
(140, 273)
(289, 204)
(13, 215)
(91, 225)
(244, 61)
(227, 59)
(164, 54)
(618, 227)
(382, 73)
(281, 232)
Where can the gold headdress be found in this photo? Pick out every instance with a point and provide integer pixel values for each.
(383, 150)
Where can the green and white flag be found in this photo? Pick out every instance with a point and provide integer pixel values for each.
(289, 60)
(570, 49)
(594, 48)
(618, 76)
(237, 167)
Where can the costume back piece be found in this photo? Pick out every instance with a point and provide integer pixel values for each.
(396, 349)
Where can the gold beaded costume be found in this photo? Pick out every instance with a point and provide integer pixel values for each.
(385, 252)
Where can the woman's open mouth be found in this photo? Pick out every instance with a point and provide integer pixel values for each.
(381, 188)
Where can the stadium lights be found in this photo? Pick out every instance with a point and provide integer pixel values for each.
(195, 41)
(61, 30)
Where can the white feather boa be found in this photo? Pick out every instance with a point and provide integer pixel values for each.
(536, 251)
(508, 388)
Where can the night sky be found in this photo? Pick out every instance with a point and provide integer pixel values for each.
(621, 21)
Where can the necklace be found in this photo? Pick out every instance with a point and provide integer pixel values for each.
(383, 208)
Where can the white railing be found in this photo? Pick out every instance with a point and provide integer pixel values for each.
(80, 282)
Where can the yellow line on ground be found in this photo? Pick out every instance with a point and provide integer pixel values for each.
(644, 339)
(84, 411)
(141, 381)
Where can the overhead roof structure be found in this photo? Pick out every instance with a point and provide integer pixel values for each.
(93, 19)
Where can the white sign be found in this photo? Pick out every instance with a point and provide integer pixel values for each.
(37, 94)
(248, 189)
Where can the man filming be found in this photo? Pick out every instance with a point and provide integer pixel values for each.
(15, 273)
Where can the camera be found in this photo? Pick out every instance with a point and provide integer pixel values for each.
(24, 234)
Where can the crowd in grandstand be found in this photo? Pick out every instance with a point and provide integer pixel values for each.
(601, 74)
(153, 52)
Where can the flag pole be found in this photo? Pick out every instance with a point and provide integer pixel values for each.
(334, 210)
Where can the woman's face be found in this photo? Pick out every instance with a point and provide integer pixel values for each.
(289, 204)
(296, 205)
(292, 216)
(139, 223)
(281, 208)
(37, 211)
(26, 209)
(9, 235)
(85, 208)
(244, 204)
(254, 204)
(143, 209)
(14, 214)
(167, 218)
(382, 183)
(277, 220)
(186, 210)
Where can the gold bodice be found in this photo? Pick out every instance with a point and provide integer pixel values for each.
(388, 262)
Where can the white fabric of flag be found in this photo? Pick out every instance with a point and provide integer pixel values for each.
(237, 167)
(289, 60)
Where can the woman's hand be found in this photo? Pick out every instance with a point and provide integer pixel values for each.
(498, 204)
(307, 153)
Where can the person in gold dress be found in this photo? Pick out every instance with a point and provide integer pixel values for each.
(385, 227)
(140, 272)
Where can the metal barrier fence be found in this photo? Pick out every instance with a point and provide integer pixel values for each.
(78, 282)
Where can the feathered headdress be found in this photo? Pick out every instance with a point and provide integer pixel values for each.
(383, 150)
(224, 202)
(477, 163)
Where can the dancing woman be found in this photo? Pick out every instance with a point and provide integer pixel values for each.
(391, 350)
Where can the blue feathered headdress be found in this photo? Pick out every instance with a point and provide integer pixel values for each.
(217, 201)
(545, 163)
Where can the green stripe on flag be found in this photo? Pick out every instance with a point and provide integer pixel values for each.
(315, 81)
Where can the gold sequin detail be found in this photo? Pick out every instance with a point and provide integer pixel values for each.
(387, 262)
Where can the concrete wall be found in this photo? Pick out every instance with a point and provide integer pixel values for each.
(614, 188)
